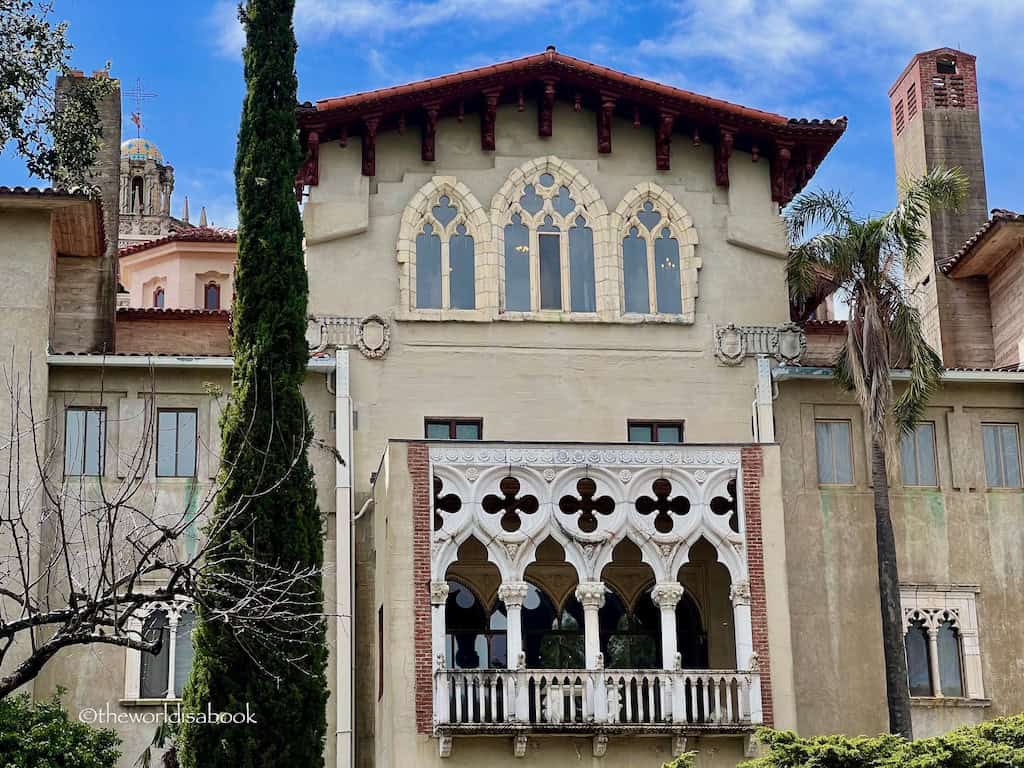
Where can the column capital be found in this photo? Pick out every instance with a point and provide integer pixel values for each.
(591, 593)
(438, 592)
(667, 594)
(513, 593)
(739, 592)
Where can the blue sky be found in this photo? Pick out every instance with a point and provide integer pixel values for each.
(804, 58)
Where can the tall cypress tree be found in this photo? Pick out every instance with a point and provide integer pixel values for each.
(266, 519)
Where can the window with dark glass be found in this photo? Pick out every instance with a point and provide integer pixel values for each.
(552, 637)
(918, 662)
(453, 429)
(1001, 446)
(211, 296)
(917, 456)
(834, 449)
(176, 442)
(158, 298)
(84, 440)
(157, 678)
(475, 637)
(655, 431)
(630, 639)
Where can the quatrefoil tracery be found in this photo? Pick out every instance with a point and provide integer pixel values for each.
(585, 505)
(449, 503)
(664, 504)
(510, 504)
(721, 505)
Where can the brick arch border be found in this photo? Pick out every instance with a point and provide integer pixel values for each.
(478, 227)
(679, 222)
(584, 191)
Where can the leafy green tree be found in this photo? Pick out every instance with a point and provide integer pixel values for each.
(994, 744)
(865, 259)
(41, 734)
(266, 517)
(57, 141)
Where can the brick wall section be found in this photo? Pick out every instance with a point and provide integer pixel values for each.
(173, 335)
(419, 472)
(752, 469)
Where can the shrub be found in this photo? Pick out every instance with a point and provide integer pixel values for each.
(994, 744)
(40, 735)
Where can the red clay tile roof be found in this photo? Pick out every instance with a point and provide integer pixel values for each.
(190, 235)
(43, 192)
(583, 83)
(139, 313)
(999, 216)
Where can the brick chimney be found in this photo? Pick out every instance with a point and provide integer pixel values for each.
(933, 108)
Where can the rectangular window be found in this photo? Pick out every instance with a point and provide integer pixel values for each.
(84, 440)
(835, 457)
(1001, 444)
(655, 431)
(176, 442)
(454, 429)
(917, 456)
(550, 272)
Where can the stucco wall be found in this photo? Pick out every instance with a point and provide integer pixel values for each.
(958, 533)
(95, 675)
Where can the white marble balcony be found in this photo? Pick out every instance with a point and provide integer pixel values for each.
(596, 589)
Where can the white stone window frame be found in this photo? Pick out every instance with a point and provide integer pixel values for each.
(133, 657)
(680, 225)
(472, 215)
(505, 204)
(934, 604)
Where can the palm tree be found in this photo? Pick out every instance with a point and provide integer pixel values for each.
(865, 259)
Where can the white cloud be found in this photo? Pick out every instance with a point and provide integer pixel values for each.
(321, 19)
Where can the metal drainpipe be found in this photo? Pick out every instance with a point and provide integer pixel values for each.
(344, 563)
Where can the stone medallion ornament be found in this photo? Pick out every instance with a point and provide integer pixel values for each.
(373, 337)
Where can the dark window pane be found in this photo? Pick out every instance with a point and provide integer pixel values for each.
(212, 298)
(462, 278)
(438, 430)
(926, 474)
(949, 660)
(74, 441)
(634, 273)
(166, 443)
(186, 444)
(183, 652)
(444, 211)
(153, 672)
(550, 272)
(918, 668)
(666, 273)
(467, 430)
(669, 433)
(530, 201)
(428, 268)
(563, 202)
(581, 267)
(641, 433)
(517, 265)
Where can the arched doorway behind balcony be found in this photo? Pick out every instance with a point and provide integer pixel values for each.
(630, 625)
(704, 617)
(475, 619)
(553, 625)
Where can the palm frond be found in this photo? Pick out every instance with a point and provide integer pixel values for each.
(828, 209)
(923, 363)
(939, 188)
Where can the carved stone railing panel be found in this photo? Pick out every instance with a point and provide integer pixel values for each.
(371, 335)
(786, 343)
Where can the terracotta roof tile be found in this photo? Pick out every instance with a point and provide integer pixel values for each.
(999, 215)
(190, 235)
(134, 313)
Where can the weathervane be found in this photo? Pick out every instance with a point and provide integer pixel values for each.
(138, 94)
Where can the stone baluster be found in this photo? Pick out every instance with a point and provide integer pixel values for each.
(666, 595)
(591, 596)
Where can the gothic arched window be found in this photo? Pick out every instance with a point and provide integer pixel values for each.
(659, 263)
(158, 298)
(211, 295)
(630, 639)
(136, 201)
(475, 638)
(445, 253)
(552, 638)
(548, 230)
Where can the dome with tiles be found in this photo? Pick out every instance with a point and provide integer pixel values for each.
(141, 149)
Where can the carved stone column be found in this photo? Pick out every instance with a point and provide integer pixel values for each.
(933, 660)
(591, 596)
(739, 594)
(438, 599)
(513, 593)
(666, 595)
